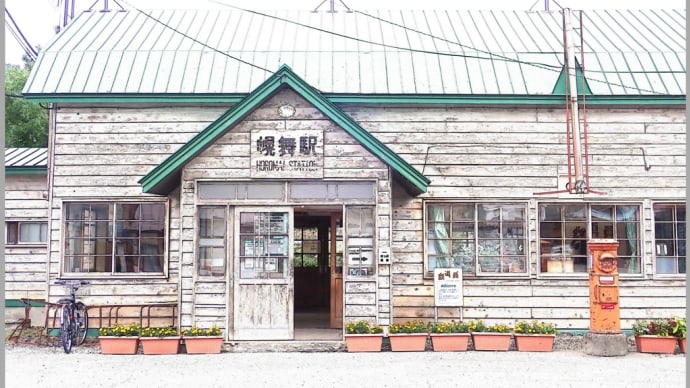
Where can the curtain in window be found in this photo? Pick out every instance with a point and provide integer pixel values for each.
(440, 238)
(629, 213)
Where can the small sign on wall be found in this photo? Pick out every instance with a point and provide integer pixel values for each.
(448, 287)
(286, 154)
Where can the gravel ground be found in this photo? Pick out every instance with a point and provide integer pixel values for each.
(40, 366)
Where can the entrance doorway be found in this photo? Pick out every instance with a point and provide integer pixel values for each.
(318, 264)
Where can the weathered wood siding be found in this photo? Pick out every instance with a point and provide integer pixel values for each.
(476, 154)
(509, 154)
(228, 158)
(26, 199)
(100, 154)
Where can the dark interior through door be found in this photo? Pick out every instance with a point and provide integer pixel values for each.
(312, 274)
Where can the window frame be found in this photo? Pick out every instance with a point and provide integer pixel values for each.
(199, 245)
(16, 227)
(360, 239)
(589, 221)
(112, 238)
(675, 222)
(477, 273)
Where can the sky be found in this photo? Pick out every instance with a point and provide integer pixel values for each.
(38, 19)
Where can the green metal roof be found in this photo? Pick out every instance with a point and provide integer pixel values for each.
(166, 176)
(375, 53)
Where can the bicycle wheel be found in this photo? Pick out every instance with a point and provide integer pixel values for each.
(66, 329)
(82, 320)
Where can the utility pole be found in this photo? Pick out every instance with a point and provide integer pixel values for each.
(571, 73)
(332, 3)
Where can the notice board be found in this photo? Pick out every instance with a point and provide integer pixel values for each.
(448, 287)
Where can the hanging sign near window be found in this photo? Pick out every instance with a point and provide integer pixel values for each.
(448, 287)
(287, 154)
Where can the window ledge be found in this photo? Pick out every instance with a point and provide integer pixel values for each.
(106, 276)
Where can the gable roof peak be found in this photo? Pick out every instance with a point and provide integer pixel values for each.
(166, 176)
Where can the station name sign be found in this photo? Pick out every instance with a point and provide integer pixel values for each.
(287, 154)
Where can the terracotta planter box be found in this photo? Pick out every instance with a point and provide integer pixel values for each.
(681, 344)
(451, 342)
(534, 342)
(363, 342)
(160, 345)
(655, 344)
(118, 345)
(491, 341)
(413, 342)
(203, 344)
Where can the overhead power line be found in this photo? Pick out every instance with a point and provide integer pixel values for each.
(19, 36)
(488, 54)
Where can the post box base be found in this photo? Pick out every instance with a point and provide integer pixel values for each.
(606, 344)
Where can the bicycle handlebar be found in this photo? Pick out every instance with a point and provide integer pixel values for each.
(73, 284)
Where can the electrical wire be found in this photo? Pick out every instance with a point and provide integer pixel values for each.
(545, 66)
(196, 40)
(19, 36)
(492, 56)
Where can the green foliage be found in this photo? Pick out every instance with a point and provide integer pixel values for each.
(534, 327)
(169, 331)
(658, 327)
(479, 326)
(448, 327)
(677, 326)
(213, 331)
(362, 327)
(26, 123)
(120, 330)
(415, 326)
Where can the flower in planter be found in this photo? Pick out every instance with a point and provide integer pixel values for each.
(120, 330)
(362, 327)
(409, 327)
(213, 331)
(657, 327)
(678, 328)
(479, 326)
(169, 331)
(534, 327)
(448, 327)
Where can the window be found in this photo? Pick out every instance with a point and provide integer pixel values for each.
(482, 239)
(212, 227)
(307, 246)
(564, 230)
(123, 237)
(360, 240)
(26, 232)
(264, 239)
(669, 238)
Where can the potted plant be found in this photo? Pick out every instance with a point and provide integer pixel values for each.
(199, 340)
(678, 330)
(409, 336)
(119, 338)
(654, 336)
(493, 337)
(160, 340)
(363, 336)
(533, 336)
(449, 336)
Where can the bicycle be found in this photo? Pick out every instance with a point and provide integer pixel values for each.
(74, 321)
